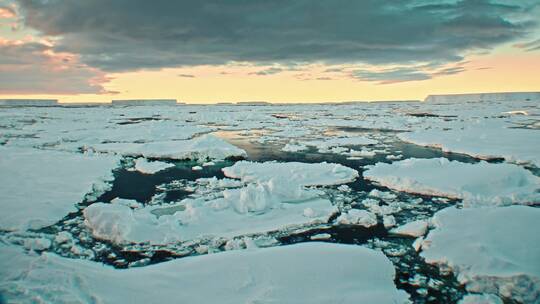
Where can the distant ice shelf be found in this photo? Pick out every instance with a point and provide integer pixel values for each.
(481, 97)
(144, 102)
(29, 102)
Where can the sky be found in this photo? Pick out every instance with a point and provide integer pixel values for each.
(266, 50)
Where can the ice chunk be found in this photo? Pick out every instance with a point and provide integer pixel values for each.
(302, 273)
(40, 187)
(291, 147)
(150, 167)
(338, 144)
(480, 299)
(493, 250)
(477, 184)
(414, 229)
(358, 217)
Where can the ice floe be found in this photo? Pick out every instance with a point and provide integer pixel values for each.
(304, 174)
(150, 167)
(477, 184)
(492, 250)
(40, 187)
(302, 273)
(483, 140)
(414, 229)
(200, 148)
(271, 196)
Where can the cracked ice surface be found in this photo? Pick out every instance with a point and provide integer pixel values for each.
(322, 272)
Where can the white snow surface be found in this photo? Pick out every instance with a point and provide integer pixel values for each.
(492, 250)
(150, 167)
(302, 273)
(40, 187)
(477, 184)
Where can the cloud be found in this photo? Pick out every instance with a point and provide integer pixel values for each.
(404, 74)
(186, 75)
(28, 67)
(268, 71)
(390, 76)
(126, 35)
(7, 12)
(529, 46)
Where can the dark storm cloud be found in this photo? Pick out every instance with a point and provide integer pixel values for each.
(404, 74)
(392, 75)
(32, 68)
(118, 35)
(529, 46)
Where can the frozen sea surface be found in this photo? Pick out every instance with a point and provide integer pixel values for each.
(231, 195)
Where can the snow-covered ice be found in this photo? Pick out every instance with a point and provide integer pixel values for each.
(40, 187)
(415, 229)
(302, 273)
(274, 197)
(358, 217)
(200, 148)
(483, 140)
(492, 250)
(303, 174)
(477, 184)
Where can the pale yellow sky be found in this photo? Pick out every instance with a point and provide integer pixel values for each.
(515, 71)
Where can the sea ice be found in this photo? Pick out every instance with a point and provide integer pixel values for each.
(40, 187)
(483, 140)
(200, 148)
(302, 273)
(477, 184)
(492, 250)
(272, 196)
(358, 217)
(415, 229)
(150, 167)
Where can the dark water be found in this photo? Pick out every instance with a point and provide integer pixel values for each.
(432, 287)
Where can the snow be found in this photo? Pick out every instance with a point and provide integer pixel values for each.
(492, 250)
(302, 273)
(40, 187)
(477, 184)
(200, 148)
(150, 167)
(415, 229)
